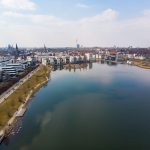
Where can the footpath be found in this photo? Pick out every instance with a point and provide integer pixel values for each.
(13, 88)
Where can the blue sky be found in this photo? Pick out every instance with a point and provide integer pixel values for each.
(68, 9)
(61, 22)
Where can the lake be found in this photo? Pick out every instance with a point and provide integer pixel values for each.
(101, 107)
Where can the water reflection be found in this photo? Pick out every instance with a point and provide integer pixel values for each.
(44, 120)
(58, 67)
(111, 63)
(97, 107)
(90, 65)
(82, 66)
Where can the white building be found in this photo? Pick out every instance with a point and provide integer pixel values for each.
(82, 58)
(10, 71)
(17, 66)
(87, 55)
(71, 59)
(51, 60)
(139, 57)
(97, 56)
(44, 61)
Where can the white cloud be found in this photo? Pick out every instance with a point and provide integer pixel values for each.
(34, 18)
(103, 29)
(18, 4)
(107, 15)
(82, 5)
(147, 12)
(13, 14)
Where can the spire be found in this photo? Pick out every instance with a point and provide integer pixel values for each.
(45, 49)
(16, 47)
(17, 51)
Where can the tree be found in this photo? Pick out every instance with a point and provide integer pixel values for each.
(9, 113)
(25, 92)
(28, 86)
(20, 99)
(37, 79)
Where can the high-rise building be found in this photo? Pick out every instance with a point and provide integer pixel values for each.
(17, 51)
(10, 48)
(77, 44)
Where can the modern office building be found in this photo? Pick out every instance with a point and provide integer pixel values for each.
(10, 71)
(17, 66)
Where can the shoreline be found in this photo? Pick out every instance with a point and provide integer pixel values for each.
(143, 67)
(5, 131)
(140, 64)
(10, 91)
(84, 65)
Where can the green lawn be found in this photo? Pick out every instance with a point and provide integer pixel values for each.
(142, 64)
(12, 103)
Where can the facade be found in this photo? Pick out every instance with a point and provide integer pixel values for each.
(17, 66)
(10, 71)
(44, 61)
(1, 75)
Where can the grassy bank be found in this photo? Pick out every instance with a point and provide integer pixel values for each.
(6, 84)
(12, 103)
(142, 64)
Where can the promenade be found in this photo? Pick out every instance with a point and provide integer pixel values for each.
(13, 88)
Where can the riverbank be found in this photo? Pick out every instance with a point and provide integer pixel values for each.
(139, 63)
(13, 88)
(20, 97)
(142, 64)
(5, 85)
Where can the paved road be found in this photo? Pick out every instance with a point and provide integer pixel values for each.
(12, 89)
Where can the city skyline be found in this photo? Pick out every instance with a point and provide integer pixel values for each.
(59, 23)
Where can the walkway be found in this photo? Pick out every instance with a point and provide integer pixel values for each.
(12, 89)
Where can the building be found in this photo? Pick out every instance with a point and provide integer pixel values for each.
(1, 75)
(17, 66)
(78, 46)
(10, 71)
(44, 61)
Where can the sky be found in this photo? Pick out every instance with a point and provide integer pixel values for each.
(60, 23)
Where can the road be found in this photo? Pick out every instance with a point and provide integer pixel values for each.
(13, 88)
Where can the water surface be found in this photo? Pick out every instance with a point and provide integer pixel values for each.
(100, 107)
